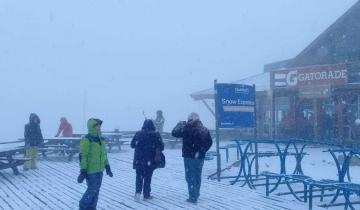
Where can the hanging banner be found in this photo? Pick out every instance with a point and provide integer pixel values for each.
(236, 106)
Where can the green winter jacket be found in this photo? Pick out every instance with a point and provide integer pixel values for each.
(93, 156)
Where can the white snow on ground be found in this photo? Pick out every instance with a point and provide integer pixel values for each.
(54, 186)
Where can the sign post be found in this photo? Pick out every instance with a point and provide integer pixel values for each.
(218, 158)
(235, 107)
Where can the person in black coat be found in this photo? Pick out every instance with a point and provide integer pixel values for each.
(147, 144)
(33, 139)
(196, 142)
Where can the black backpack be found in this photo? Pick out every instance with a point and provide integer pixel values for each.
(159, 159)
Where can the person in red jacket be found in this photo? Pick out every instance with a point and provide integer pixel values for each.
(65, 128)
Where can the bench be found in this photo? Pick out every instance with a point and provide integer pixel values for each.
(288, 180)
(347, 188)
(324, 184)
(53, 148)
(8, 161)
(13, 163)
(60, 149)
(310, 186)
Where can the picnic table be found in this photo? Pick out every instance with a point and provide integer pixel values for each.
(62, 140)
(249, 158)
(342, 186)
(61, 145)
(9, 160)
(71, 145)
(114, 140)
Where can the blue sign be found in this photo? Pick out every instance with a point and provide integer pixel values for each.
(236, 106)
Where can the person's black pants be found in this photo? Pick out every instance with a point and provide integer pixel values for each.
(143, 180)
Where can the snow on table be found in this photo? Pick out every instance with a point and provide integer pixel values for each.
(54, 186)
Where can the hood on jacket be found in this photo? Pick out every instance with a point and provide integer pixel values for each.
(91, 124)
(63, 120)
(148, 125)
(33, 117)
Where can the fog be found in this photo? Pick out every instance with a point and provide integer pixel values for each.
(115, 59)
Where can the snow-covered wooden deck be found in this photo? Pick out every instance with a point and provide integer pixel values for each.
(54, 186)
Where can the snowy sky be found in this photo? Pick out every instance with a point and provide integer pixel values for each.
(128, 56)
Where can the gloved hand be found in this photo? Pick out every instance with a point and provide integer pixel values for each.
(108, 170)
(82, 176)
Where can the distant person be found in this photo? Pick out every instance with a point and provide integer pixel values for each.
(324, 126)
(65, 128)
(196, 142)
(93, 161)
(159, 121)
(147, 144)
(287, 124)
(33, 139)
(355, 129)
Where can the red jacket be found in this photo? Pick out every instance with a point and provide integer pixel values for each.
(65, 128)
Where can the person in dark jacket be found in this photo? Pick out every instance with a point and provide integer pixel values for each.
(147, 144)
(33, 139)
(196, 142)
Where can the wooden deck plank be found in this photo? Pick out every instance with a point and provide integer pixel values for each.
(54, 186)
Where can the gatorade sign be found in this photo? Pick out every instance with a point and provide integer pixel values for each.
(313, 76)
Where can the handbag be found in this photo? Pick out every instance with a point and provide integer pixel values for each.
(160, 161)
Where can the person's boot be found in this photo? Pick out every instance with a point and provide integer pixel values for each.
(150, 197)
(191, 200)
(33, 166)
(26, 166)
(137, 196)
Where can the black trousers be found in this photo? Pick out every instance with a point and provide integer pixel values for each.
(143, 180)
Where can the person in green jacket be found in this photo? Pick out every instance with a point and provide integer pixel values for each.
(93, 161)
